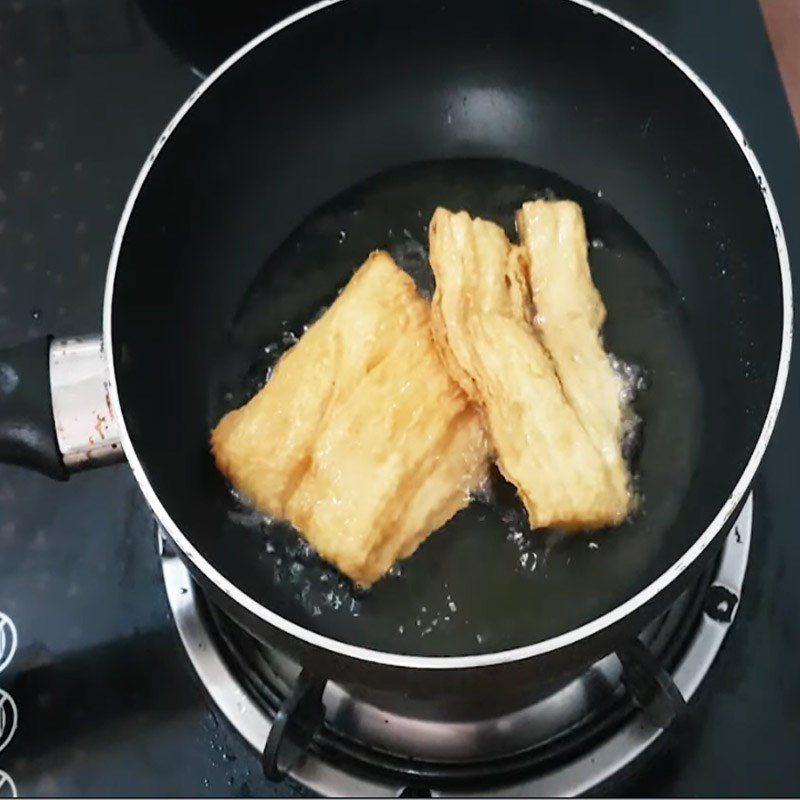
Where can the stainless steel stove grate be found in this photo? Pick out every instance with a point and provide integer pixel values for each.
(565, 743)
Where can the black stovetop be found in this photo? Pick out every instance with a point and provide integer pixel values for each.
(107, 702)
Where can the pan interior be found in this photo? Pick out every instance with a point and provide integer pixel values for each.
(474, 584)
(224, 244)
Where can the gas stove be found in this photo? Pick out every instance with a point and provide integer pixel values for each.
(118, 677)
(564, 741)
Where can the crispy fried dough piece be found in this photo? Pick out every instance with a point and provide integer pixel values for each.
(360, 438)
(477, 272)
(482, 324)
(570, 313)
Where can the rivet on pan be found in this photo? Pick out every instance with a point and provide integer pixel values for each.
(720, 603)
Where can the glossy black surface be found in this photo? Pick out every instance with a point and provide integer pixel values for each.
(107, 702)
(27, 432)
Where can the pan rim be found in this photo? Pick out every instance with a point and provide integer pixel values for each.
(525, 652)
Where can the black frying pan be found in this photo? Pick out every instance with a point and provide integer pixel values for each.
(340, 133)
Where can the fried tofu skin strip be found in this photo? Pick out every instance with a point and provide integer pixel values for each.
(483, 324)
(570, 315)
(360, 438)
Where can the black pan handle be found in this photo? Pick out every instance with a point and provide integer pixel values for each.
(27, 431)
(56, 414)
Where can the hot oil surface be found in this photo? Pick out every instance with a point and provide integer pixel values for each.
(483, 582)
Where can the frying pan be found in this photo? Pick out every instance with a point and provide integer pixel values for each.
(337, 132)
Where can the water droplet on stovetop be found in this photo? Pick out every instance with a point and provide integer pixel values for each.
(36, 313)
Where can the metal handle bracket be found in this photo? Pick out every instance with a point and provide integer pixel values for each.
(86, 426)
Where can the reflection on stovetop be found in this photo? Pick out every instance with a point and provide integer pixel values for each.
(106, 701)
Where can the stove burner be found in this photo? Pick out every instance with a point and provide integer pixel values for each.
(566, 742)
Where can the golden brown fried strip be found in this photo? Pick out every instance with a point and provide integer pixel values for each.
(482, 324)
(570, 313)
(477, 272)
(360, 438)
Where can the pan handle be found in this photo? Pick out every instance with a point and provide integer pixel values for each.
(55, 412)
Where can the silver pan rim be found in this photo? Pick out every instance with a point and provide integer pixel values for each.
(563, 640)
